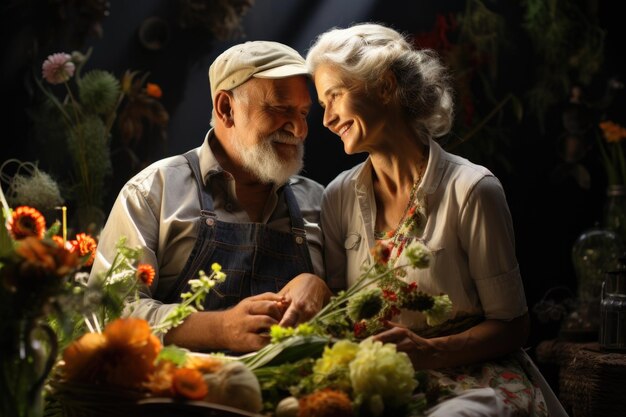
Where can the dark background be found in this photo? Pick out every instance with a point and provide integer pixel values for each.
(549, 211)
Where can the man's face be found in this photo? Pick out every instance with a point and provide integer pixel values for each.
(270, 122)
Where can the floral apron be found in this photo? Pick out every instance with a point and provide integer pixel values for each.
(254, 257)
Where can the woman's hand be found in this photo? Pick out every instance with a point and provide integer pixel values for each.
(304, 296)
(417, 348)
(487, 340)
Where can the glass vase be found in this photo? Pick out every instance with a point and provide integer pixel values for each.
(27, 356)
(614, 216)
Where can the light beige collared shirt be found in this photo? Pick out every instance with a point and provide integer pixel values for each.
(468, 229)
(158, 210)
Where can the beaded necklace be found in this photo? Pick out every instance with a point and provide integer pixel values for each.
(411, 224)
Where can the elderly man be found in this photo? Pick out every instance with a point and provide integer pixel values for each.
(236, 200)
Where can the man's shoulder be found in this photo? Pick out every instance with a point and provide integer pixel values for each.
(308, 184)
(164, 169)
(307, 191)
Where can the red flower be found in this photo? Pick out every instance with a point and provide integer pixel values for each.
(26, 221)
(390, 295)
(359, 328)
(509, 375)
(146, 273)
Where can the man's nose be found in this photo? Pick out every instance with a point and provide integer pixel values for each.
(298, 127)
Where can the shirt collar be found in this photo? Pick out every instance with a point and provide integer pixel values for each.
(431, 179)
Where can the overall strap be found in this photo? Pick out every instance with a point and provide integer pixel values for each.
(297, 222)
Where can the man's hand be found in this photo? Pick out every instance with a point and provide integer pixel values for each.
(242, 328)
(245, 327)
(305, 295)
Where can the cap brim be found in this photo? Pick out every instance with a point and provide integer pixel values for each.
(283, 71)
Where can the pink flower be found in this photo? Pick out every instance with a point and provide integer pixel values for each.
(58, 68)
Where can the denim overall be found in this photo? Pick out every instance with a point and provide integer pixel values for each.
(254, 257)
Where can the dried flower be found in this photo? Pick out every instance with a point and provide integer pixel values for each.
(88, 113)
(58, 68)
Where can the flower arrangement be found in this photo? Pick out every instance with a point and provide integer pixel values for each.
(612, 151)
(87, 111)
(353, 374)
(327, 366)
(38, 270)
(48, 312)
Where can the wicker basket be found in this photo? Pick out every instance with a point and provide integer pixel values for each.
(88, 400)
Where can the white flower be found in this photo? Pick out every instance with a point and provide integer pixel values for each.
(379, 370)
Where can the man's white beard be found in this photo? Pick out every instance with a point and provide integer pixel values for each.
(263, 161)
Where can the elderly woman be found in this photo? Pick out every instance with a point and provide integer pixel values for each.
(383, 97)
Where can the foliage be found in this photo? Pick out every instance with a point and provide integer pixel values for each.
(80, 113)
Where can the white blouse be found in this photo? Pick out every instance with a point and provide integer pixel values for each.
(468, 230)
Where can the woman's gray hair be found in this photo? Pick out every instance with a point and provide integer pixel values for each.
(365, 51)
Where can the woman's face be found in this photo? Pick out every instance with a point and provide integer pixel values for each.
(356, 114)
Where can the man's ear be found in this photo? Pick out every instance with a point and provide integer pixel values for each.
(224, 107)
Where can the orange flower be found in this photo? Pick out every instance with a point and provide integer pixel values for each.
(145, 273)
(153, 90)
(58, 240)
(325, 403)
(131, 352)
(26, 221)
(83, 359)
(85, 245)
(122, 356)
(44, 258)
(612, 131)
(189, 384)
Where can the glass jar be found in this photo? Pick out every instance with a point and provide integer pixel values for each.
(596, 251)
(614, 216)
(613, 309)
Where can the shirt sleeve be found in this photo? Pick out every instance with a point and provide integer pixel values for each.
(133, 218)
(332, 227)
(487, 236)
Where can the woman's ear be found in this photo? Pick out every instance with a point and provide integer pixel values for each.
(388, 86)
(224, 107)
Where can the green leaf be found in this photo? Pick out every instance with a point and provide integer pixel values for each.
(288, 350)
(6, 243)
